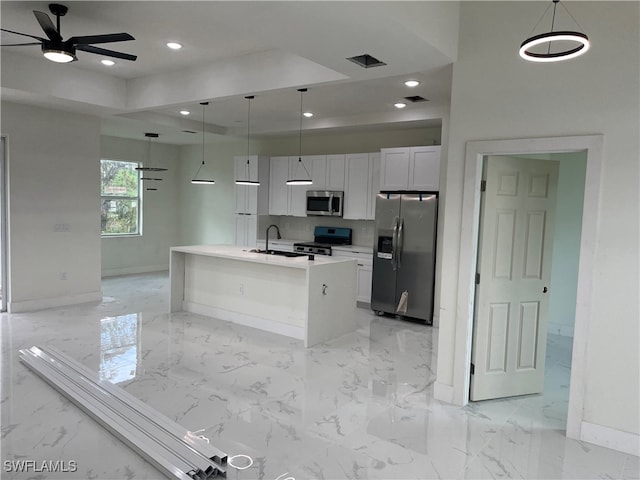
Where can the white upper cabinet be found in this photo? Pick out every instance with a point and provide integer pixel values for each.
(279, 191)
(410, 168)
(246, 230)
(335, 172)
(424, 169)
(249, 198)
(361, 180)
(298, 193)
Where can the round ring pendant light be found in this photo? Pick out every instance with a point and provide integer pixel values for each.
(580, 41)
(196, 180)
(248, 180)
(301, 180)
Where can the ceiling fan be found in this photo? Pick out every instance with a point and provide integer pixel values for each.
(64, 51)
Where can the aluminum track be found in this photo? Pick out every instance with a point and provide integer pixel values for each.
(171, 448)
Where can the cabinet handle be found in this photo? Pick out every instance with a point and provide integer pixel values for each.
(361, 264)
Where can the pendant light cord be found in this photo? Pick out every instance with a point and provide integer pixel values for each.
(203, 107)
(302, 90)
(248, 134)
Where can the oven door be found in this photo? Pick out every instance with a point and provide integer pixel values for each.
(324, 203)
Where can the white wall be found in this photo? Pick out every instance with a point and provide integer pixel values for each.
(497, 95)
(54, 176)
(566, 243)
(150, 251)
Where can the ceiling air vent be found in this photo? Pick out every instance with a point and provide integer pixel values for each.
(366, 61)
(416, 98)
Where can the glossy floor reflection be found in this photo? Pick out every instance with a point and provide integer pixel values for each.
(360, 407)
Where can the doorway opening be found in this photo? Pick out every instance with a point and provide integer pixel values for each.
(591, 145)
(528, 254)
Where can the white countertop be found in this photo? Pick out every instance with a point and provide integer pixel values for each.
(243, 254)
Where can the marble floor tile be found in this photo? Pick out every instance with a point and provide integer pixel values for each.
(358, 407)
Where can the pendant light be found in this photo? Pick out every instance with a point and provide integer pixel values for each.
(195, 179)
(149, 168)
(578, 38)
(248, 180)
(300, 181)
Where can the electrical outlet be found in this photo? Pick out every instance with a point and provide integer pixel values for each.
(63, 275)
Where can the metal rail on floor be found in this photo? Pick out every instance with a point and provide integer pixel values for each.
(171, 448)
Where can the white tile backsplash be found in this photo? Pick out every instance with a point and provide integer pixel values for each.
(301, 228)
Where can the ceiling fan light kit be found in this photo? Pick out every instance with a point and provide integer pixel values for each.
(578, 38)
(57, 50)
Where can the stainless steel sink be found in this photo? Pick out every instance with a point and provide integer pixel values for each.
(280, 253)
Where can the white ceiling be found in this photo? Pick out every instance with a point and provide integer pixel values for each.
(233, 49)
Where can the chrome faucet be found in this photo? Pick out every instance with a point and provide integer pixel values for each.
(266, 243)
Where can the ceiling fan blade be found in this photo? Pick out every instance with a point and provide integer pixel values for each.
(108, 38)
(19, 44)
(23, 34)
(108, 53)
(47, 25)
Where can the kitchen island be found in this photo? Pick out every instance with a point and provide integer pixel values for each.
(311, 300)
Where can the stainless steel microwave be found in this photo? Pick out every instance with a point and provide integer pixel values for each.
(322, 202)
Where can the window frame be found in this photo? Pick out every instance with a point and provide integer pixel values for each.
(137, 198)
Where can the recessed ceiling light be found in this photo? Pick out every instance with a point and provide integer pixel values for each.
(185, 112)
(308, 114)
(399, 105)
(108, 63)
(412, 83)
(174, 45)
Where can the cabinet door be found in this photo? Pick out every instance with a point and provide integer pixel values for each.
(251, 230)
(365, 276)
(298, 193)
(251, 194)
(317, 166)
(394, 168)
(374, 185)
(356, 199)
(424, 169)
(239, 171)
(241, 230)
(278, 189)
(335, 172)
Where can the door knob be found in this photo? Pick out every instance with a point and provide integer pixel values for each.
(545, 290)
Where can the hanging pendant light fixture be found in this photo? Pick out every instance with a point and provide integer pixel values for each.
(248, 180)
(149, 168)
(578, 38)
(300, 181)
(195, 179)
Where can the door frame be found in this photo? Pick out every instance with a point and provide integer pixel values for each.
(475, 153)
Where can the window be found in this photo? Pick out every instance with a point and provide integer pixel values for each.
(120, 197)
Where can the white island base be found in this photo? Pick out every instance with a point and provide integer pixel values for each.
(311, 300)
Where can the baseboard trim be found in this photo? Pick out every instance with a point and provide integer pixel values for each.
(246, 320)
(610, 438)
(115, 272)
(44, 303)
(443, 392)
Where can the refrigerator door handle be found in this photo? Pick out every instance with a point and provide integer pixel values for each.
(394, 245)
(400, 245)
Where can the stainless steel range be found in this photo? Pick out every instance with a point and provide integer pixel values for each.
(323, 239)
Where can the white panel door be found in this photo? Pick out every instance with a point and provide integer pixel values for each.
(424, 169)
(514, 263)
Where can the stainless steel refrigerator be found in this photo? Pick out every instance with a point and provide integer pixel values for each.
(404, 255)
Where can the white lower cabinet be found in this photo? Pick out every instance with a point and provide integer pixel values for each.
(364, 270)
(246, 230)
